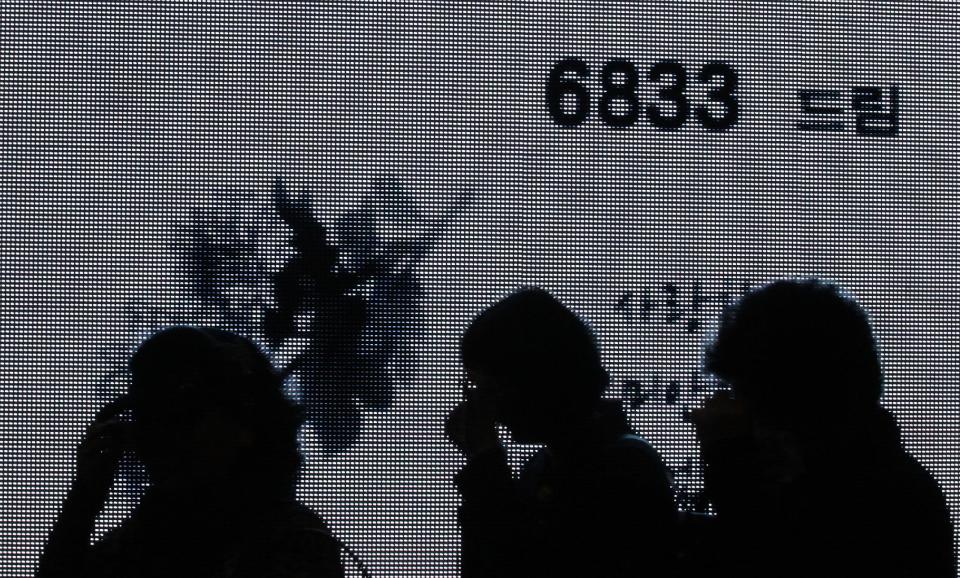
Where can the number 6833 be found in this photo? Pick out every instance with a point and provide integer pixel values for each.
(568, 95)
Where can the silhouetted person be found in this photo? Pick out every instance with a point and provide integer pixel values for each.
(805, 469)
(596, 500)
(218, 441)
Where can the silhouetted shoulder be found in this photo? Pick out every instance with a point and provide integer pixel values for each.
(631, 453)
(920, 520)
(302, 545)
(634, 446)
(289, 541)
(645, 476)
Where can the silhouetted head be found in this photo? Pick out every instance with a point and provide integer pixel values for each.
(799, 353)
(208, 409)
(538, 360)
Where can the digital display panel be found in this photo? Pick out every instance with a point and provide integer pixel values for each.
(645, 162)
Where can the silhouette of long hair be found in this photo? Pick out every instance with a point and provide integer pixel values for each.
(531, 338)
(182, 370)
(799, 346)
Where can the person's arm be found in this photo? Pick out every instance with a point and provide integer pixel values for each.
(635, 515)
(750, 478)
(489, 515)
(732, 470)
(68, 544)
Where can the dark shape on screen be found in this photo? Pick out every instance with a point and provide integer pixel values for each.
(206, 414)
(806, 470)
(697, 300)
(696, 385)
(358, 298)
(673, 393)
(636, 393)
(347, 298)
(310, 283)
(624, 305)
(672, 302)
(224, 270)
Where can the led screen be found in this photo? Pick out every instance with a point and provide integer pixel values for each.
(646, 162)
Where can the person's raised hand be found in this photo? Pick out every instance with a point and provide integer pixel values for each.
(99, 453)
(721, 418)
(471, 425)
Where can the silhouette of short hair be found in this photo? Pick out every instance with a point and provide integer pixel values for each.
(185, 370)
(530, 340)
(797, 345)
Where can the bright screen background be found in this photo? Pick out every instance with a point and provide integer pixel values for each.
(142, 143)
